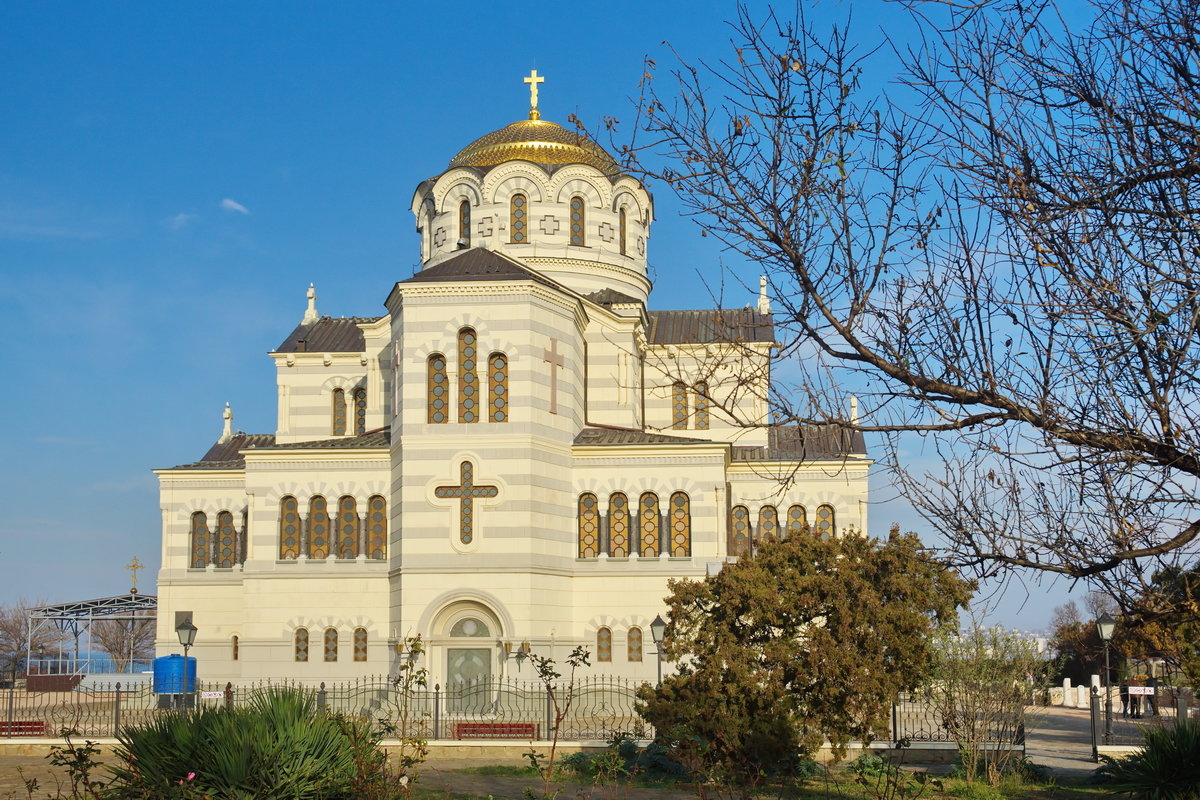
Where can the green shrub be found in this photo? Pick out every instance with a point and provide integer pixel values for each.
(869, 765)
(1167, 767)
(976, 791)
(281, 746)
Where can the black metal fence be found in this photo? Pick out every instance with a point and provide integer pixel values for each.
(1126, 726)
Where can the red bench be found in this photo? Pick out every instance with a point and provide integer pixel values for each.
(23, 727)
(496, 730)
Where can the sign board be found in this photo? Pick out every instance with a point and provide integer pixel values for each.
(1142, 690)
(212, 695)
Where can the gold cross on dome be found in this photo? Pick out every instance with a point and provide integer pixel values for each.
(133, 567)
(533, 80)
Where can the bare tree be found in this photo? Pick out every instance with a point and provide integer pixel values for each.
(18, 638)
(125, 640)
(998, 251)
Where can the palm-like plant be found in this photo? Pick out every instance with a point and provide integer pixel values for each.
(1166, 768)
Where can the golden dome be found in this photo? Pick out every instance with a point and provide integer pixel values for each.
(535, 140)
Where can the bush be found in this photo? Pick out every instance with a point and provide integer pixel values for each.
(869, 765)
(1166, 768)
(281, 746)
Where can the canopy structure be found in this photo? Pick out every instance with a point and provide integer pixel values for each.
(69, 626)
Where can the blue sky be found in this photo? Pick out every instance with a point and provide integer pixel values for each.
(173, 176)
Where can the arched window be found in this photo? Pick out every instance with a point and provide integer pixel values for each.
(468, 377)
(679, 405)
(681, 525)
(233, 643)
(200, 556)
(360, 411)
(622, 230)
(518, 219)
(339, 412)
(331, 644)
(604, 645)
(376, 528)
(226, 540)
(301, 644)
(318, 528)
(497, 387)
(702, 406)
(464, 223)
(739, 531)
(289, 528)
(634, 642)
(768, 524)
(347, 528)
(797, 520)
(360, 644)
(589, 526)
(577, 220)
(825, 524)
(439, 389)
(618, 525)
(649, 525)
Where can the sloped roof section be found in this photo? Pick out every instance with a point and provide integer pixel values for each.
(710, 326)
(328, 335)
(227, 455)
(804, 443)
(367, 441)
(619, 436)
(228, 451)
(478, 264)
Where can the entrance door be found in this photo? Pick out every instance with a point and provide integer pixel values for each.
(468, 680)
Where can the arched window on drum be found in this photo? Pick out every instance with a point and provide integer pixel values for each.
(618, 525)
(649, 523)
(768, 524)
(376, 528)
(438, 390)
(825, 521)
(200, 541)
(497, 387)
(464, 224)
(468, 376)
(739, 531)
(518, 219)
(289, 528)
(680, 525)
(318, 528)
(360, 411)
(589, 526)
(578, 221)
(797, 520)
(339, 412)
(347, 527)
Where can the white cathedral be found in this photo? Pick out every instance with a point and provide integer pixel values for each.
(515, 458)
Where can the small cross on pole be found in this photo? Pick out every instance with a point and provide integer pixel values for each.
(133, 567)
(555, 361)
(533, 80)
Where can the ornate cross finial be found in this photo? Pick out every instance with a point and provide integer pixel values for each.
(227, 431)
(311, 315)
(133, 567)
(533, 80)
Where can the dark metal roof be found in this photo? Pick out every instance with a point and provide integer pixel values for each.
(617, 436)
(711, 325)
(804, 443)
(611, 297)
(368, 440)
(228, 451)
(118, 606)
(328, 335)
(227, 455)
(478, 264)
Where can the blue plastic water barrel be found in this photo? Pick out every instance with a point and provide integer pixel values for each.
(171, 676)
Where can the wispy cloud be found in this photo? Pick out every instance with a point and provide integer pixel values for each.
(180, 220)
(234, 205)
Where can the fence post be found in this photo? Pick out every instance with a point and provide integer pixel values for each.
(549, 711)
(1181, 705)
(1095, 707)
(12, 690)
(117, 711)
(437, 711)
(321, 697)
(896, 737)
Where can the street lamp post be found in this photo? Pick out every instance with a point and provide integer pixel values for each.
(187, 637)
(658, 630)
(1104, 627)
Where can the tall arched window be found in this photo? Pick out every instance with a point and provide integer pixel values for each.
(679, 405)
(318, 528)
(468, 376)
(589, 526)
(797, 520)
(226, 540)
(376, 528)
(360, 411)
(438, 390)
(301, 644)
(200, 556)
(233, 645)
(360, 644)
(702, 406)
(604, 645)
(577, 220)
(339, 412)
(464, 223)
(497, 387)
(347, 527)
(518, 219)
(739, 531)
(289, 528)
(634, 642)
(618, 525)
(825, 522)
(622, 230)
(649, 524)
(681, 525)
(768, 524)
(331, 644)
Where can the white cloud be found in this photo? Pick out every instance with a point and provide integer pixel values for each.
(178, 221)
(234, 205)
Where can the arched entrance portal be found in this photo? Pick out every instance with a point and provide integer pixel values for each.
(470, 653)
(467, 646)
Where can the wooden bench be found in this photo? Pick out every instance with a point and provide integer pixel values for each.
(496, 730)
(23, 727)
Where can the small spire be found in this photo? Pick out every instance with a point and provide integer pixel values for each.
(311, 315)
(853, 410)
(227, 433)
(764, 302)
